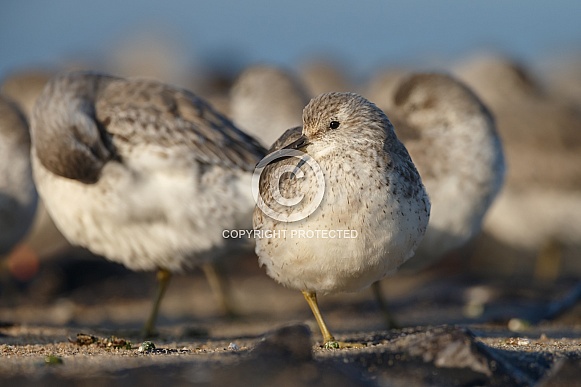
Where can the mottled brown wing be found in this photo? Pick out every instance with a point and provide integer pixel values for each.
(145, 111)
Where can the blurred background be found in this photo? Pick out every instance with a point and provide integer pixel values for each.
(227, 36)
(523, 58)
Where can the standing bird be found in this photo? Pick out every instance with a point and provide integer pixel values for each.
(363, 211)
(452, 139)
(142, 173)
(18, 197)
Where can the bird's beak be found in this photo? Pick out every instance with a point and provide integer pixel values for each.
(299, 144)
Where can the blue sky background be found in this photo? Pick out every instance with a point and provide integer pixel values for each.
(364, 34)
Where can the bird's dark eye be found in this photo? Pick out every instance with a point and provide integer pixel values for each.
(334, 124)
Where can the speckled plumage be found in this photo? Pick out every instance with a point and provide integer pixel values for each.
(145, 174)
(371, 187)
(452, 139)
(18, 197)
(266, 100)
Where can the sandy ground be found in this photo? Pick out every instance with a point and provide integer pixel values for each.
(78, 323)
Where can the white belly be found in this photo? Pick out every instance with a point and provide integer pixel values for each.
(383, 234)
(159, 219)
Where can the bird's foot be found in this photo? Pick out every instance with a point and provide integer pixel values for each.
(333, 344)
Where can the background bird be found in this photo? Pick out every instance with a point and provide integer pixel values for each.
(142, 173)
(453, 141)
(18, 197)
(23, 87)
(266, 100)
(540, 206)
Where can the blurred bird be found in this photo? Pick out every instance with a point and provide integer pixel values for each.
(383, 85)
(142, 173)
(353, 163)
(541, 203)
(18, 195)
(266, 100)
(563, 79)
(24, 86)
(324, 75)
(530, 121)
(452, 139)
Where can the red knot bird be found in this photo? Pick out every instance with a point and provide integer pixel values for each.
(341, 204)
(145, 174)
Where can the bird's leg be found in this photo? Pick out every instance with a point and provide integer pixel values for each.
(390, 322)
(163, 277)
(549, 261)
(220, 288)
(329, 340)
